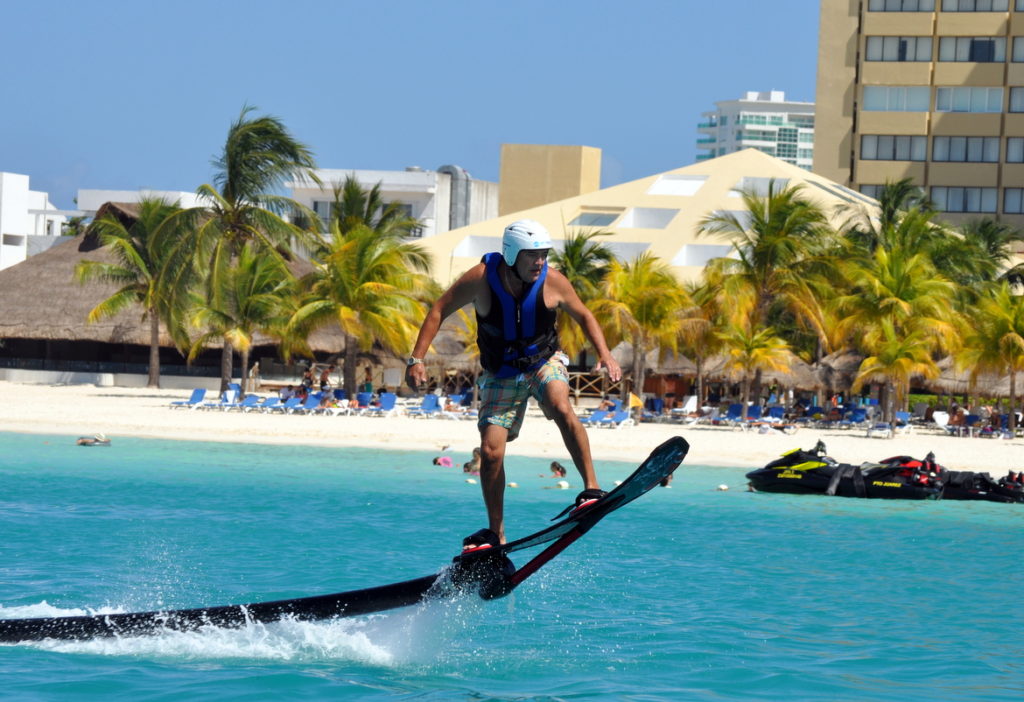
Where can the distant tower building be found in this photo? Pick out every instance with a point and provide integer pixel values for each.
(765, 121)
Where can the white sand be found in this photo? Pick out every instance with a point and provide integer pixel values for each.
(79, 410)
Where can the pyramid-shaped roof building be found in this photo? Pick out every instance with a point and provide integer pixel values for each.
(659, 214)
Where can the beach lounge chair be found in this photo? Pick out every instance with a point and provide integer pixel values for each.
(429, 407)
(287, 406)
(857, 417)
(386, 408)
(245, 404)
(903, 423)
(310, 406)
(594, 418)
(883, 429)
(265, 406)
(197, 397)
(228, 397)
(617, 421)
(733, 414)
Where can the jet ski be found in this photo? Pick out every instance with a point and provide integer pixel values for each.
(963, 484)
(815, 472)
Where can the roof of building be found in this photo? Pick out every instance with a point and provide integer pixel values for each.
(659, 214)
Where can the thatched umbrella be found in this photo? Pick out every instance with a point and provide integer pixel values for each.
(952, 381)
(41, 300)
(838, 370)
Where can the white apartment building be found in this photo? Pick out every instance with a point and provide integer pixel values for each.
(765, 121)
(89, 201)
(445, 199)
(29, 223)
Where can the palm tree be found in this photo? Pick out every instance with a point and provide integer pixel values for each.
(777, 252)
(699, 322)
(372, 286)
(141, 253)
(895, 358)
(258, 156)
(902, 288)
(751, 350)
(898, 290)
(979, 255)
(640, 305)
(251, 301)
(995, 343)
(584, 262)
(782, 260)
(354, 207)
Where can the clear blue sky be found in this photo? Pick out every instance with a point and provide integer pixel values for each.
(140, 94)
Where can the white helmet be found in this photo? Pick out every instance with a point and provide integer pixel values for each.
(523, 234)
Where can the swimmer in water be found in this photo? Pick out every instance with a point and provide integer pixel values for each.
(95, 440)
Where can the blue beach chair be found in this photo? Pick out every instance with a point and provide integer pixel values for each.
(197, 397)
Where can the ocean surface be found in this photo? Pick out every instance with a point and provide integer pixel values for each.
(688, 593)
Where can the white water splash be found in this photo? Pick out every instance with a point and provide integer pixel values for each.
(412, 636)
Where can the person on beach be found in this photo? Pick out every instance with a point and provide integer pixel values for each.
(443, 461)
(325, 378)
(557, 470)
(516, 298)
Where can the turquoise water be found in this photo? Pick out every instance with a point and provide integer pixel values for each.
(689, 593)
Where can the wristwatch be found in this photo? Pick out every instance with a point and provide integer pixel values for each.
(413, 361)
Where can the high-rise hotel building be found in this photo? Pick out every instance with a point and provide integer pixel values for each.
(927, 89)
(765, 121)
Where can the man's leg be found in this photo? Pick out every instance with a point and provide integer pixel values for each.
(556, 399)
(493, 439)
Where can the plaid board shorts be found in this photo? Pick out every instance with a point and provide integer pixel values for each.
(503, 400)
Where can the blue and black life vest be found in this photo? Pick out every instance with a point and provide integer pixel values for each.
(515, 335)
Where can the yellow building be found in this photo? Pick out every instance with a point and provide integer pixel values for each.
(932, 90)
(536, 174)
(659, 214)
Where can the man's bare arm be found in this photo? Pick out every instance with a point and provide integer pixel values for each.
(460, 294)
(569, 301)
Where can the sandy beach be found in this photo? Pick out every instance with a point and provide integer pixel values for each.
(79, 410)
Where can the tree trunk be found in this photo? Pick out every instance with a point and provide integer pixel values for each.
(638, 374)
(349, 370)
(225, 365)
(758, 382)
(154, 349)
(244, 358)
(745, 395)
(700, 381)
(1013, 403)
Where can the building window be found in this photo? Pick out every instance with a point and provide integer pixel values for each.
(977, 49)
(678, 185)
(975, 5)
(884, 98)
(1015, 149)
(885, 147)
(965, 149)
(594, 219)
(647, 218)
(871, 190)
(323, 211)
(964, 199)
(1013, 200)
(901, 5)
(966, 99)
(1016, 99)
(1018, 48)
(899, 49)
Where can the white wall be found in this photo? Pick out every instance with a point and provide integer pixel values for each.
(24, 215)
(89, 201)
